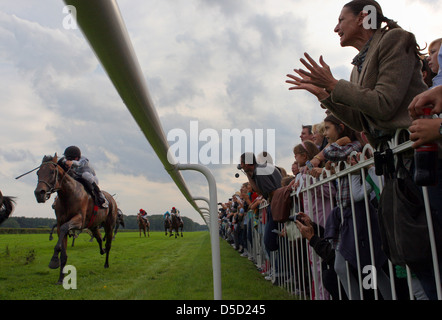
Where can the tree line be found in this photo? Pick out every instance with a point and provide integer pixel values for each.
(130, 221)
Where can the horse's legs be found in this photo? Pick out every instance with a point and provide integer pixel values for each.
(63, 259)
(62, 240)
(116, 230)
(60, 247)
(96, 233)
(55, 261)
(109, 231)
(52, 231)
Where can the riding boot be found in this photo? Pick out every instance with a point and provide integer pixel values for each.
(91, 191)
(99, 196)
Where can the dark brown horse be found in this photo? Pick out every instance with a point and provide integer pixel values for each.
(74, 210)
(7, 205)
(176, 224)
(143, 224)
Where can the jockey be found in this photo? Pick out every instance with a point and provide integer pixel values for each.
(81, 170)
(177, 213)
(166, 215)
(143, 214)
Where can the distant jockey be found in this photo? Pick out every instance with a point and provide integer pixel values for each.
(177, 213)
(143, 214)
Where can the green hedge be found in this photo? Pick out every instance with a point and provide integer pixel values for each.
(24, 230)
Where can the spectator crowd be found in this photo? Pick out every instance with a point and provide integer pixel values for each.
(343, 221)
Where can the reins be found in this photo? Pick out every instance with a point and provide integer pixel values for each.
(52, 188)
(22, 175)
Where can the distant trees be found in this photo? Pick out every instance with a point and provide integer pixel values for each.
(23, 222)
(156, 223)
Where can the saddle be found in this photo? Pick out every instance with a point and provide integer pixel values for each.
(89, 188)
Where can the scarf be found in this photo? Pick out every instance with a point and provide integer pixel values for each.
(359, 59)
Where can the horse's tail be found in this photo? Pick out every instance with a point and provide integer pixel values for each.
(120, 218)
(6, 208)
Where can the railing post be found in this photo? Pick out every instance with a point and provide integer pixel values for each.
(206, 217)
(207, 210)
(216, 257)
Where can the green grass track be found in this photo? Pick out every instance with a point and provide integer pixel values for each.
(155, 268)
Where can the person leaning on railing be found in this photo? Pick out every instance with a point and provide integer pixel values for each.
(424, 131)
(386, 75)
(319, 206)
(353, 215)
(323, 248)
(265, 179)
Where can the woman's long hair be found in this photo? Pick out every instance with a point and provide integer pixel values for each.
(357, 6)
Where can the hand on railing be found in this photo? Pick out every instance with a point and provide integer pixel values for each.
(431, 97)
(315, 172)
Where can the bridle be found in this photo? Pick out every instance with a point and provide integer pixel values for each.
(52, 188)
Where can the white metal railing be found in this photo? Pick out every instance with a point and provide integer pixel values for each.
(103, 26)
(297, 268)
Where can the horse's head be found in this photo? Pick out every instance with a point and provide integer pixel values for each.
(48, 176)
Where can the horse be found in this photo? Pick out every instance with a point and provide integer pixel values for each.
(175, 225)
(167, 224)
(7, 206)
(74, 210)
(143, 224)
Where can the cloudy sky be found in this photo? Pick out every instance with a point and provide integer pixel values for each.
(221, 63)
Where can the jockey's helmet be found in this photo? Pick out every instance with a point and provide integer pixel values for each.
(72, 152)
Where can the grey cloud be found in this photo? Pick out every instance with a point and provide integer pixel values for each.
(242, 90)
(229, 8)
(266, 28)
(26, 44)
(15, 155)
